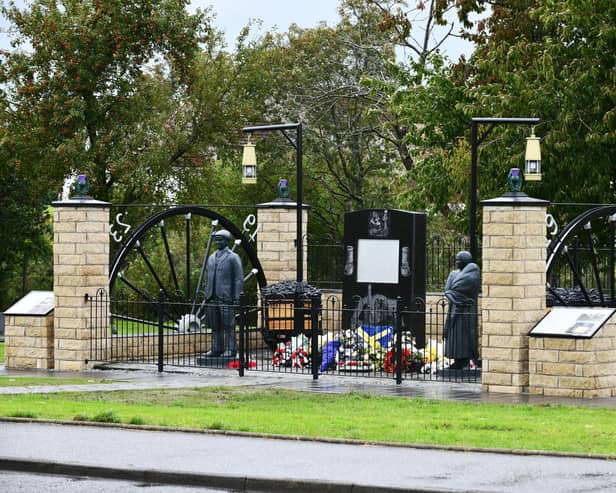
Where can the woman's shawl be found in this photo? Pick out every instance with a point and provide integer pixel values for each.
(463, 285)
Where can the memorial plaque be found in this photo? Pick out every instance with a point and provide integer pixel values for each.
(378, 261)
(385, 258)
(35, 303)
(572, 322)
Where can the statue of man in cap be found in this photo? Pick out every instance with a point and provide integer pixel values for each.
(461, 289)
(224, 283)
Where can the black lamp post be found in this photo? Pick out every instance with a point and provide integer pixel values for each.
(475, 141)
(299, 244)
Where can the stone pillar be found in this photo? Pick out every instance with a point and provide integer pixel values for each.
(276, 249)
(513, 287)
(81, 267)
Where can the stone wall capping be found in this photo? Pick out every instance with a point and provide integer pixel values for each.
(84, 201)
(281, 204)
(515, 199)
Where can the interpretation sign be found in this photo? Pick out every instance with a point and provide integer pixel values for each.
(34, 303)
(572, 322)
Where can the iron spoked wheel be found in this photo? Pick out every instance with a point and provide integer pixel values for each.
(167, 255)
(581, 261)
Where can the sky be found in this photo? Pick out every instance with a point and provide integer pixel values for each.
(232, 15)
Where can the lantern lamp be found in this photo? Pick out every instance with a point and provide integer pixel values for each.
(532, 166)
(249, 163)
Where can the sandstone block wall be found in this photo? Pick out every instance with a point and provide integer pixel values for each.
(29, 341)
(582, 368)
(276, 241)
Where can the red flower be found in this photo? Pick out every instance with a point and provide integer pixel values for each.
(390, 363)
(235, 364)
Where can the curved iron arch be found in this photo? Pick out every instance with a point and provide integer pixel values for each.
(155, 220)
(559, 247)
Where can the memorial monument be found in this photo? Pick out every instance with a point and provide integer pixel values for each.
(224, 283)
(461, 290)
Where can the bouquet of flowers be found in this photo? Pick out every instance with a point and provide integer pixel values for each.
(300, 358)
(410, 361)
(353, 353)
(281, 356)
(294, 353)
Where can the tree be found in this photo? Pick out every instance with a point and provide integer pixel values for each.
(555, 60)
(421, 103)
(316, 78)
(26, 246)
(70, 84)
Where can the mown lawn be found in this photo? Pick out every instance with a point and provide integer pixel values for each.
(358, 416)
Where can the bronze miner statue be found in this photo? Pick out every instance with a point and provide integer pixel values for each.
(225, 282)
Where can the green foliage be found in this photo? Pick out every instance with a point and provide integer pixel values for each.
(136, 420)
(24, 414)
(425, 100)
(71, 95)
(554, 60)
(25, 251)
(316, 77)
(108, 416)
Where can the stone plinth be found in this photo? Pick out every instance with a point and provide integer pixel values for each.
(513, 288)
(29, 341)
(28, 337)
(582, 368)
(81, 267)
(277, 237)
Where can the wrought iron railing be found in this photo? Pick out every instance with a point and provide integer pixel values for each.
(310, 336)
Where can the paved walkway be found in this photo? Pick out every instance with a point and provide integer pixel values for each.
(250, 463)
(135, 377)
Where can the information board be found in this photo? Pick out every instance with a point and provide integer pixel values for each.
(572, 322)
(34, 303)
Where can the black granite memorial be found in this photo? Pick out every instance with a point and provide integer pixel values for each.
(385, 258)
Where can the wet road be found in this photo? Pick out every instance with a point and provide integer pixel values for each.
(13, 482)
(318, 465)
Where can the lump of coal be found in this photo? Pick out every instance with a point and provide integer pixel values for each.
(286, 290)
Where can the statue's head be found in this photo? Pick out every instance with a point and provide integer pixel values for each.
(222, 238)
(463, 258)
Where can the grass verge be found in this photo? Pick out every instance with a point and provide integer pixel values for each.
(13, 381)
(358, 416)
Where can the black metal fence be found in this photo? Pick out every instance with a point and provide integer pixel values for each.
(309, 337)
(326, 263)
